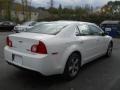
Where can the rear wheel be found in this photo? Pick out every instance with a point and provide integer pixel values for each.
(109, 50)
(72, 66)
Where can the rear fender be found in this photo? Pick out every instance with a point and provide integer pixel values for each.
(68, 52)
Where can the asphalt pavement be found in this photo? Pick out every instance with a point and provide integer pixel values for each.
(101, 74)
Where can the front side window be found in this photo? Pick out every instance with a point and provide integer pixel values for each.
(95, 30)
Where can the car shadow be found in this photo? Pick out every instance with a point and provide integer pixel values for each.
(94, 62)
(35, 80)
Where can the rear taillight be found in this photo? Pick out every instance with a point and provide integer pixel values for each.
(40, 48)
(8, 42)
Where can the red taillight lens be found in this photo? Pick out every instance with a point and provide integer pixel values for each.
(8, 42)
(40, 48)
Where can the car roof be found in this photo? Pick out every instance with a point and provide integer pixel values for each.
(66, 22)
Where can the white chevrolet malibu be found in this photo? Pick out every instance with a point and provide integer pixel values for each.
(59, 47)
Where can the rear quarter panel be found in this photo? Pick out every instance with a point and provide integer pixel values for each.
(64, 47)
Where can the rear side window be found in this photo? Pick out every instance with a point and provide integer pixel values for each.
(84, 30)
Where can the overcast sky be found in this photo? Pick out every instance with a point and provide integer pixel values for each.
(73, 3)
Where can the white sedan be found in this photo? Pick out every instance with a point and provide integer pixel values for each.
(59, 47)
(24, 27)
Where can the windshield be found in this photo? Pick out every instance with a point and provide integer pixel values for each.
(51, 29)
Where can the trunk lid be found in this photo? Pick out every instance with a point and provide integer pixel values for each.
(23, 42)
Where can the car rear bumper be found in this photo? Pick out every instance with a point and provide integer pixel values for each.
(45, 64)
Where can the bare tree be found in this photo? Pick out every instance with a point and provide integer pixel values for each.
(23, 9)
(8, 8)
(30, 5)
(51, 3)
(1, 6)
(60, 9)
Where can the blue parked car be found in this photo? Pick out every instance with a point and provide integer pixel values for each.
(111, 27)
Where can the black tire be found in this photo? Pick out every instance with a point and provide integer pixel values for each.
(109, 50)
(73, 66)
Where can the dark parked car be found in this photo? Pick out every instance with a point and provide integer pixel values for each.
(7, 25)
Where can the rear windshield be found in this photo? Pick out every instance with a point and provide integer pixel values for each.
(51, 29)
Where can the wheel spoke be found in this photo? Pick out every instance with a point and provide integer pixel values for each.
(76, 68)
(110, 51)
(70, 68)
(76, 61)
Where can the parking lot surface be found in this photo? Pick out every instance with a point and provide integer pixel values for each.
(101, 74)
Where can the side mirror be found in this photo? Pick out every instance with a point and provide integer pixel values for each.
(106, 33)
(103, 33)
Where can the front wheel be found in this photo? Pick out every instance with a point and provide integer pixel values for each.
(72, 66)
(109, 50)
